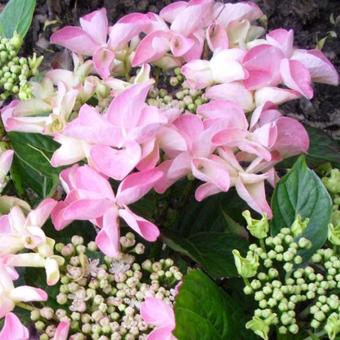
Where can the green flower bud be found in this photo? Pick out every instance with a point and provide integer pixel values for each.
(260, 326)
(293, 328)
(333, 325)
(332, 182)
(16, 41)
(246, 267)
(334, 234)
(299, 225)
(257, 228)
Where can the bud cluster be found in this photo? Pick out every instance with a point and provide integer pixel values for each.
(178, 94)
(287, 294)
(14, 70)
(101, 296)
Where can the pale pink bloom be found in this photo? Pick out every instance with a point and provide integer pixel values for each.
(276, 95)
(13, 329)
(90, 197)
(158, 313)
(224, 67)
(9, 295)
(269, 133)
(90, 40)
(62, 330)
(60, 106)
(187, 144)
(6, 158)
(118, 140)
(18, 231)
(249, 182)
(232, 24)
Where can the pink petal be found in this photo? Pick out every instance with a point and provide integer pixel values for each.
(150, 156)
(127, 28)
(180, 45)
(265, 113)
(92, 128)
(292, 137)
(90, 184)
(212, 172)
(95, 24)
(86, 209)
(282, 39)
(190, 126)
(231, 113)
(157, 313)
(296, 77)
(6, 158)
(263, 64)
(198, 74)
(141, 226)
(151, 48)
(234, 92)
(276, 95)
(124, 111)
(205, 190)
(164, 333)
(227, 13)
(13, 329)
(41, 213)
(171, 11)
(136, 185)
(197, 49)
(107, 239)
(254, 194)
(75, 39)
(28, 294)
(217, 37)
(197, 14)
(165, 181)
(116, 163)
(320, 68)
(103, 60)
(62, 330)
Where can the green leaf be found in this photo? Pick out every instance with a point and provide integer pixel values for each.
(322, 149)
(204, 311)
(213, 250)
(301, 192)
(31, 166)
(207, 234)
(16, 17)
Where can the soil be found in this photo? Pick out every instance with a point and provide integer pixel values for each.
(312, 20)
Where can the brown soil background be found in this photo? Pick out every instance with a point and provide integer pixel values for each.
(312, 20)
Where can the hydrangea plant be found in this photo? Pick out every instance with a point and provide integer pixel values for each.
(122, 213)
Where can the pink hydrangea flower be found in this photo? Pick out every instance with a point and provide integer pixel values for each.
(90, 197)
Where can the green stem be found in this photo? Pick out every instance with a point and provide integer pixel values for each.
(246, 281)
(25, 306)
(263, 246)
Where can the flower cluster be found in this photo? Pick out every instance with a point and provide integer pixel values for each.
(291, 296)
(110, 298)
(191, 92)
(14, 70)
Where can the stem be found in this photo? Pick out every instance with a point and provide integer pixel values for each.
(25, 306)
(246, 281)
(263, 246)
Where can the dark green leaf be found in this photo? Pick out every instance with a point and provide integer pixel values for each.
(213, 250)
(301, 192)
(16, 17)
(207, 235)
(31, 166)
(204, 312)
(204, 234)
